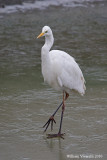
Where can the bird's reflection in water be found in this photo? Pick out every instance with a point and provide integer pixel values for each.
(55, 145)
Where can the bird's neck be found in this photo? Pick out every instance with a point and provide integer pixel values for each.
(49, 40)
(45, 50)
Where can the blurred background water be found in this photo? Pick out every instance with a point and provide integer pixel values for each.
(26, 102)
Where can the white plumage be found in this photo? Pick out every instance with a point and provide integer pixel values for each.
(59, 69)
(61, 72)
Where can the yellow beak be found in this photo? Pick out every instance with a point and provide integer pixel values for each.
(41, 35)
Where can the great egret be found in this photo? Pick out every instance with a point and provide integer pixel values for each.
(61, 72)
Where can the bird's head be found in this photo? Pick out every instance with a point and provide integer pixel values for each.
(46, 31)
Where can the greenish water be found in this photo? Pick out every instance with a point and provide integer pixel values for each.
(26, 102)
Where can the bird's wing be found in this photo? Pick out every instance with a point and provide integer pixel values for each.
(69, 74)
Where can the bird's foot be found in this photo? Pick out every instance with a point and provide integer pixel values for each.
(51, 120)
(58, 135)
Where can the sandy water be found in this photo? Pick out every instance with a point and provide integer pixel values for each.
(26, 102)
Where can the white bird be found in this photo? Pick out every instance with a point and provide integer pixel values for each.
(61, 72)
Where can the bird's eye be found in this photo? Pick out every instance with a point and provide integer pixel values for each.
(46, 31)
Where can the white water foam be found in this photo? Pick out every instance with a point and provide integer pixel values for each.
(40, 4)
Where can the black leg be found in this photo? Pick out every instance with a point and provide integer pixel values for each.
(59, 134)
(51, 119)
(58, 108)
(63, 108)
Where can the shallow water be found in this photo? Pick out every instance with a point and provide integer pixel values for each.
(26, 102)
